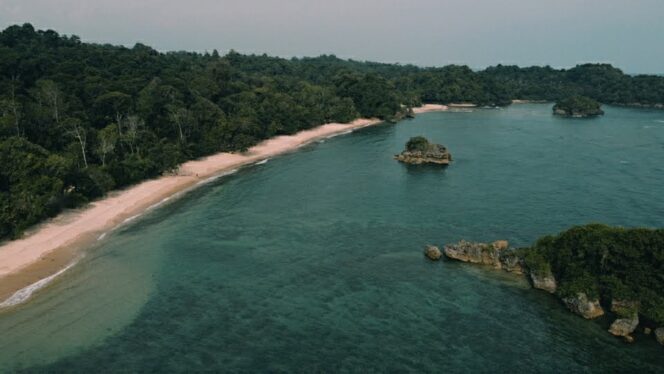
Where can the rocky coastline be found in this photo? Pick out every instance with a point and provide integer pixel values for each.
(499, 255)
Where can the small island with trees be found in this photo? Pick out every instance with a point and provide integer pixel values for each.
(577, 107)
(420, 151)
(594, 270)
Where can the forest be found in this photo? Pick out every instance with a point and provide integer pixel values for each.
(80, 119)
(606, 263)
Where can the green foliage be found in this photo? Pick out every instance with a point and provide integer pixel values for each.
(417, 143)
(578, 105)
(78, 119)
(607, 262)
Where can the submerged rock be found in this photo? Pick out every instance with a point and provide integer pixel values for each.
(544, 281)
(420, 151)
(581, 305)
(432, 252)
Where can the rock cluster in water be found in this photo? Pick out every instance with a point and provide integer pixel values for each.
(500, 255)
(420, 151)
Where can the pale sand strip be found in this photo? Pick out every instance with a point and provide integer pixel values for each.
(430, 108)
(54, 244)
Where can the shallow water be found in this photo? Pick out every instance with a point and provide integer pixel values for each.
(313, 261)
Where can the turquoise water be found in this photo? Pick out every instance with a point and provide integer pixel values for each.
(313, 261)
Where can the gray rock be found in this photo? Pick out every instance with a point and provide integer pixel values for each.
(476, 253)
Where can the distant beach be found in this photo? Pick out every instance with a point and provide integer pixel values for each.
(430, 108)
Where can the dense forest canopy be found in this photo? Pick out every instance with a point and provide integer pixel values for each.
(79, 119)
(577, 106)
(606, 263)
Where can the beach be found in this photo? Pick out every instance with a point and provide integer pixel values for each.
(55, 245)
(430, 108)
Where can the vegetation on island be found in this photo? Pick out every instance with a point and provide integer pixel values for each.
(79, 119)
(577, 106)
(608, 264)
(420, 151)
(418, 144)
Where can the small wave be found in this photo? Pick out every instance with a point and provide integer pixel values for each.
(131, 218)
(102, 236)
(322, 141)
(659, 120)
(339, 134)
(24, 294)
(215, 177)
(262, 162)
(624, 162)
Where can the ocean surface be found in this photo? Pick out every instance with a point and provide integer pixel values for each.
(312, 262)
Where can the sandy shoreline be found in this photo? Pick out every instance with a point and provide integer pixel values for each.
(426, 108)
(55, 244)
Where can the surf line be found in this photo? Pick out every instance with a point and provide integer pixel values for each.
(25, 293)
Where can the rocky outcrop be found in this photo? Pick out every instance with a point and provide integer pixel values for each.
(496, 254)
(659, 335)
(628, 311)
(544, 281)
(432, 252)
(624, 326)
(420, 151)
(581, 305)
(511, 262)
(476, 253)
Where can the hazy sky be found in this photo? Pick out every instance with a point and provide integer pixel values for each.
(561, 33)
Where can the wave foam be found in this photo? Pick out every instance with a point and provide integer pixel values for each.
(262, 162)
(25, 293)
(339, 134)
(215, 177)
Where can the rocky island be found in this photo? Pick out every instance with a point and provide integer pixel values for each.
(420, 151)
(577, 107)
(593, 269)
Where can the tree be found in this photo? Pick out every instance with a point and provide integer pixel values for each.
(52, 97)
(108, 138)
(75, 130)
(417, 143)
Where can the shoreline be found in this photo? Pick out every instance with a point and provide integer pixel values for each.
(49, 249)
(427, 108)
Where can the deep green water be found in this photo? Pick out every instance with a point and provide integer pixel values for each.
(313, 261)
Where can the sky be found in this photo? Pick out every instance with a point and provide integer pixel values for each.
(478, 33)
